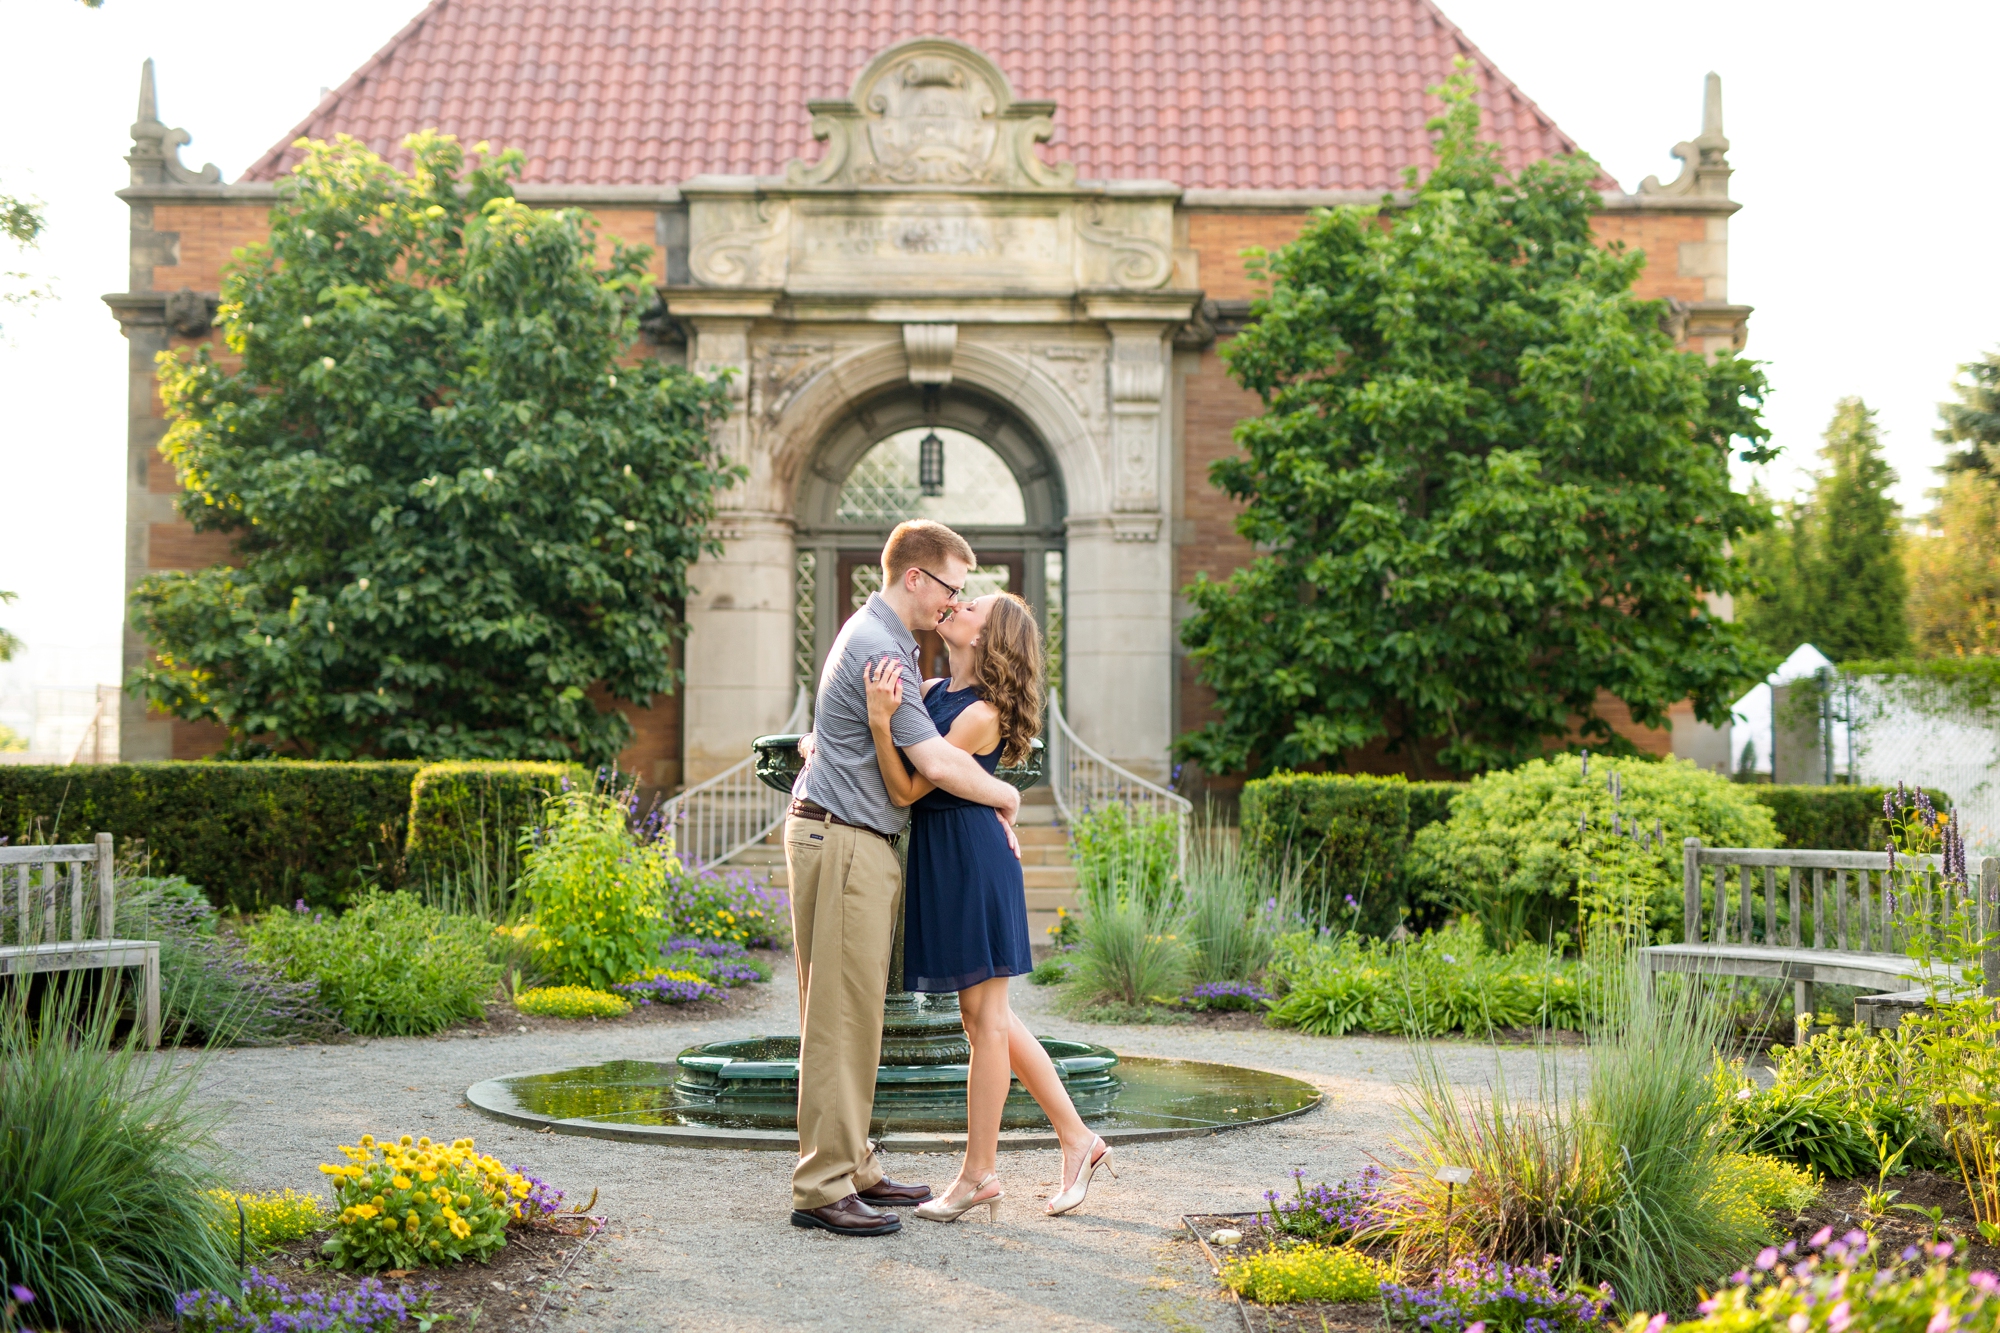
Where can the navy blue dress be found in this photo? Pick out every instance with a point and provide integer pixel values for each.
(965, 912)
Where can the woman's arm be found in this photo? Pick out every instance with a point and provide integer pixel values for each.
(885, 696)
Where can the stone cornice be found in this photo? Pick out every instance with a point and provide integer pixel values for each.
(1299, 201)
(189, 313)
(772, 187)
(266, 192)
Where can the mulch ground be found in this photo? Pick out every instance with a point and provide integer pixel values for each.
(531, 1276)
(1840, 1207)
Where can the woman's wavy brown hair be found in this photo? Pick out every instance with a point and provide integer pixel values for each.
(1009, 674)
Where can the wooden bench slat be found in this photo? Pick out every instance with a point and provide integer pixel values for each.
(64, 851)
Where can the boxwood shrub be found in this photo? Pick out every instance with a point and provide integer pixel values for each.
(266, 834)
(1354, 833)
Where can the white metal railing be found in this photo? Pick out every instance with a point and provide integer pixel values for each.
(714, 820)
(1082, 779)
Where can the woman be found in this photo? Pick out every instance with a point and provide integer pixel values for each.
(965, 913)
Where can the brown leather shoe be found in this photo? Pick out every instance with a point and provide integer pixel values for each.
(886, 1193)
(848, 1217)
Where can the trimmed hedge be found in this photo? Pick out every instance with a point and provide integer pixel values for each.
(1839, 819)
(260, 835)
(466, 816)
(1352, 834)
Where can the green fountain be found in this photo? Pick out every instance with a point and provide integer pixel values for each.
(744, 1093)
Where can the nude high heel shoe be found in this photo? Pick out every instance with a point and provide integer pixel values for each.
(949, 1209)
(1099, 1155)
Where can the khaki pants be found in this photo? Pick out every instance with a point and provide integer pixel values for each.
(844, 884)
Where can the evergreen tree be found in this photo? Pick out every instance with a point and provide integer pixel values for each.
(1831, 572)
(1955, 570)
(1974, 420)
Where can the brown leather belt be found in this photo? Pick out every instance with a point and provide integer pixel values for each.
(804, 809)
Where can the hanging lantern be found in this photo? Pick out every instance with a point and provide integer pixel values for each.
(930, 464)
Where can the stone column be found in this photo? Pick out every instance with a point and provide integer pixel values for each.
(1119, 658)
(739, 611)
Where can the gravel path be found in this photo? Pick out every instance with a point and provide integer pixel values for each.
(701, 1238)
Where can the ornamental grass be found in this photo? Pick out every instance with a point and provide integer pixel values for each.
(104, 1161)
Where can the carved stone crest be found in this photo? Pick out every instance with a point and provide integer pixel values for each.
(931, 112)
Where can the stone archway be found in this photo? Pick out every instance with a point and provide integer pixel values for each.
(832, 537)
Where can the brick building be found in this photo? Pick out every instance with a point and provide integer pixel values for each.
(1013, 252)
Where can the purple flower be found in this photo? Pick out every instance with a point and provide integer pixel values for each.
(22, 1295)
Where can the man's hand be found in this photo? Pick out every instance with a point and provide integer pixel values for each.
(806, 744)
(1013, 838)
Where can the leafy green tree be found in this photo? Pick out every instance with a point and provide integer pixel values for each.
(22, 222)
(1485, 485)
(1974, 420)
(10, 644)
(459, 501)
(1954, 569)
(1830, 573)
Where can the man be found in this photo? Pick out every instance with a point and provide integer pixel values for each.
(846, 880)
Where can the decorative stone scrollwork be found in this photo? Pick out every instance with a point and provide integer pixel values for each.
(782, 370)
(156, 149)
(1079, 370)
(1705, 168)
(931, 112)
(743, 245)
(1135, 259)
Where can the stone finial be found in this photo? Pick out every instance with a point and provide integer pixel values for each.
(1705, 166)
(156, 150)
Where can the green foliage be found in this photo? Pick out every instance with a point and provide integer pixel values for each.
(1134, 952)
(1974, 420)
(1349, 836)
(598, 893)
(1485, 484)
(403, 1204)
(10, 644)
(257, 835)
(570, 1002)
(1440, 982)
(1620, 1172)
(1306, 1273)
(460, 504)
(1116, 844)
(1830, 573)
(1835, 1096)
(211, 991)
(103, 1160)
(1846, 819)
(1955, 570)
(269, 1219)
(389, 966)
(1533, 850)
(466, 824)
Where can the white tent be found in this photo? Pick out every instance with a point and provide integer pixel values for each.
(1750, 723)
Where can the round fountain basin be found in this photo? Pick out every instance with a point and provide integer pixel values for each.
(743, 1094)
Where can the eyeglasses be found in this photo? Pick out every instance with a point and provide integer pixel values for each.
(956, 593)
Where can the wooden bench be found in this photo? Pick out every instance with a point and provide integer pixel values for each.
(1835, 919)
(36, 883)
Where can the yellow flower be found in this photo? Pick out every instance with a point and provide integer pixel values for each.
(406, 1140)
(364, 1211)
(401, 1182)
(367, 1140)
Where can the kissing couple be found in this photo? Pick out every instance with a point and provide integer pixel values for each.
(891, 751)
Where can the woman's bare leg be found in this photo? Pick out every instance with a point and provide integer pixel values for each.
(1038, 1075)
(983, 1009)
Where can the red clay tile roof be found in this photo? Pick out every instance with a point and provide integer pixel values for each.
(1264, 94)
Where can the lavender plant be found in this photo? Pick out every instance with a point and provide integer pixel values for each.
(1498, 1298)
(263, 1304)
(1331, 1214)
(211, 989)
(1227, 995)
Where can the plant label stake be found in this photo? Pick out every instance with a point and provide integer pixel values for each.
(1453, 1177)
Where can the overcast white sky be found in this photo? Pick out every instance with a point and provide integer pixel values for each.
(1862, 145)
